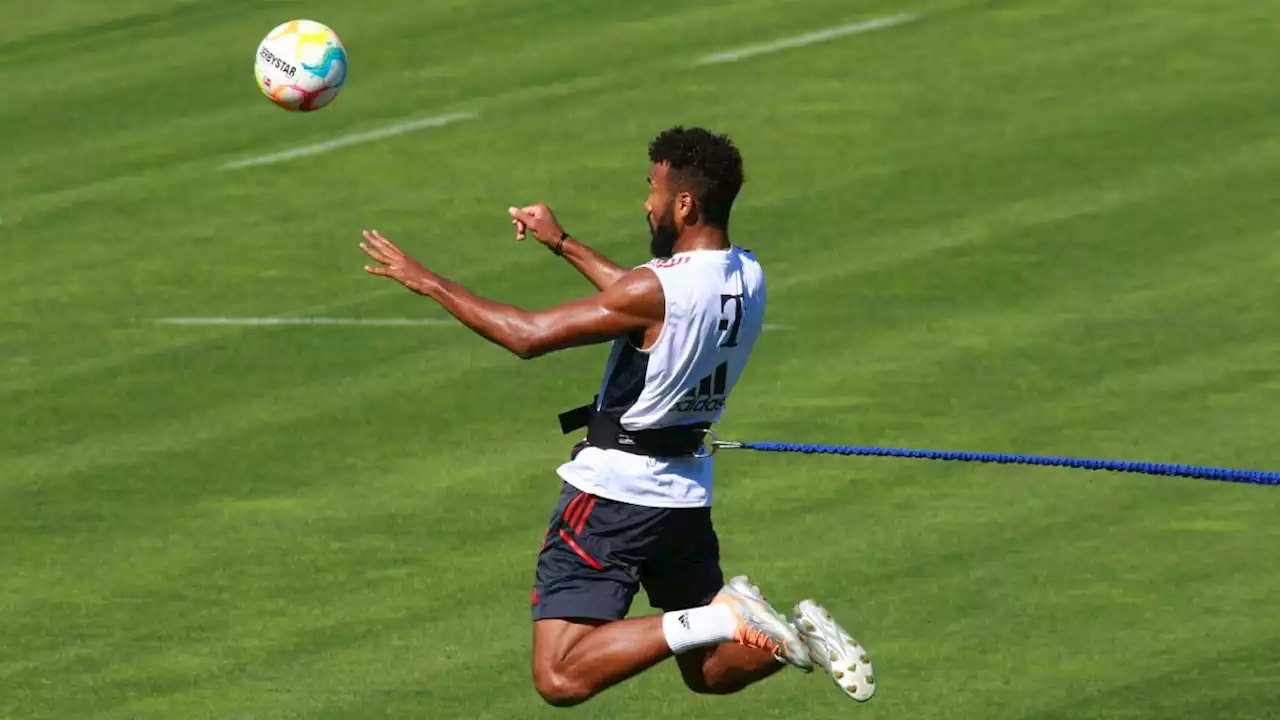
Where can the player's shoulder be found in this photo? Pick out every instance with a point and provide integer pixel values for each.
(640, 279)
(746, 255)
(639, 291)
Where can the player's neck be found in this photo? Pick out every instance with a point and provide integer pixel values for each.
(702, 238)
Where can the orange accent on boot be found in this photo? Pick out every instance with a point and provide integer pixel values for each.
(745, 634)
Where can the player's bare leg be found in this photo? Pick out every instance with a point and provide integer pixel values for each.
(729, 667)
(574, 660)
(725, 669)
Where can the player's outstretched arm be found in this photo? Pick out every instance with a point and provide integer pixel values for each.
(600, 270)
(633, 304)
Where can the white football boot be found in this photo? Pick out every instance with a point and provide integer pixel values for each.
(761, 626)
(833, 650)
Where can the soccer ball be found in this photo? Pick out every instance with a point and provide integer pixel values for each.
(301, 65)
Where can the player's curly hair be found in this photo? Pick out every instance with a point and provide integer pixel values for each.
(706, 164)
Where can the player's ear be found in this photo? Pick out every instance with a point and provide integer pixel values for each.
(686, 208)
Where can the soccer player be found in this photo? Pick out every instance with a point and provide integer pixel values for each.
(635, 508)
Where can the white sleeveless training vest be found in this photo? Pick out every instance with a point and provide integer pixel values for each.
(715, 301)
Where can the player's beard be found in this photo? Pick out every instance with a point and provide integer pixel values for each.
(663, 233)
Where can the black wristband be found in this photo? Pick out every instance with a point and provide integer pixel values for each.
(563, 236)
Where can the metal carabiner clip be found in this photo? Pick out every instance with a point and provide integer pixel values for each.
(712, 443)
(709, 444)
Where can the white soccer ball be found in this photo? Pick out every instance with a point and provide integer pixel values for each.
(301, 65)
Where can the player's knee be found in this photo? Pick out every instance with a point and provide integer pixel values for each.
(558, 689)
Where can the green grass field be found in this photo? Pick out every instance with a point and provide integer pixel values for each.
(1037, 226)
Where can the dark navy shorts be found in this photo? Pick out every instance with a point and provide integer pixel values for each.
(598, 553)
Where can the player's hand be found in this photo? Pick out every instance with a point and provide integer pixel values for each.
(537, 219)
(395, 264)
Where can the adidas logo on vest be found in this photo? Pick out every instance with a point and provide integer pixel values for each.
(709, 395)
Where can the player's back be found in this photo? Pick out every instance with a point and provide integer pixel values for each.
(714, 313)
(715, 303)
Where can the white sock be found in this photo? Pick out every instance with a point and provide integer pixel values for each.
(707, 625)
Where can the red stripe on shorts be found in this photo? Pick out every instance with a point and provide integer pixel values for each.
(572, 507)
(572, 518)
(582, 520)
(581, 553)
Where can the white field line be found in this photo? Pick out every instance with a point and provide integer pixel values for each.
(812, 38)
(353, 139)
(272, 321)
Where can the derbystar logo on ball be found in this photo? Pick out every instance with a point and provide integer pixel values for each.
(301, 65)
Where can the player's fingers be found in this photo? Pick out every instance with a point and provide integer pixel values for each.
(522, 222)
(520, 216)
(375, 254)
(384, 242)
(380, 271)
